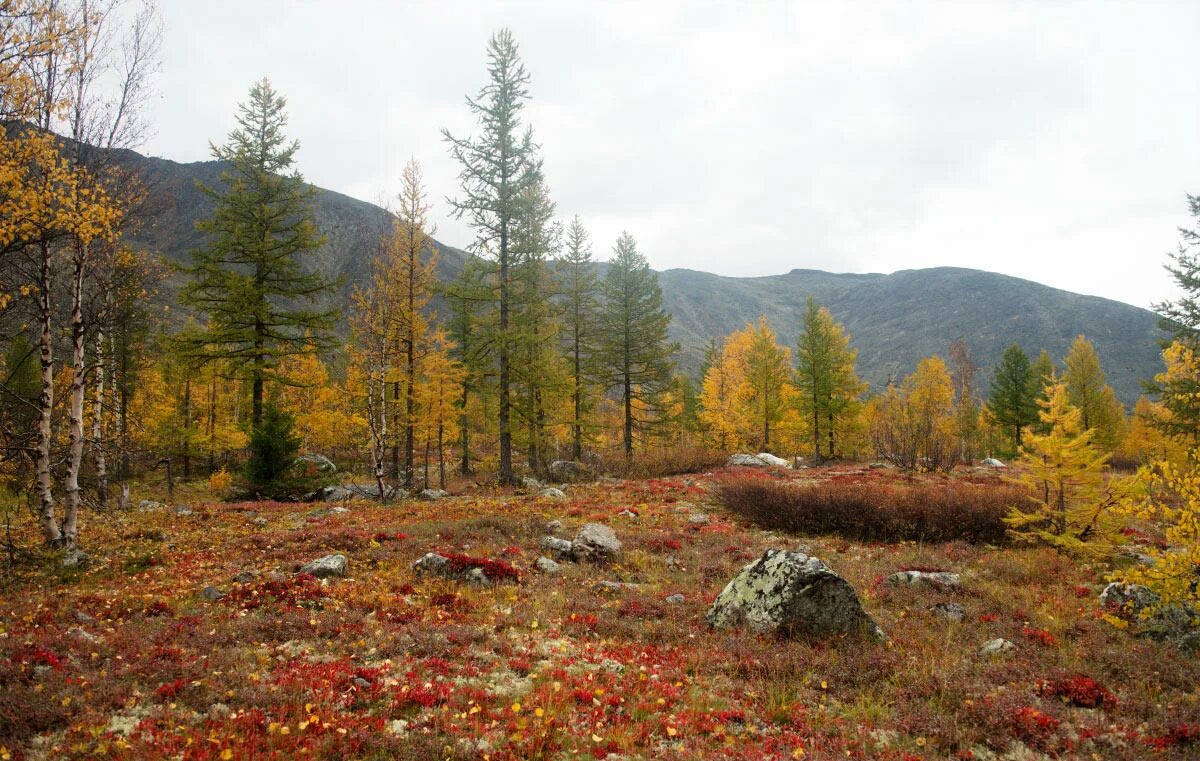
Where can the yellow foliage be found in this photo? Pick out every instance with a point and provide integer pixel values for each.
(914, 426)
(219, 483)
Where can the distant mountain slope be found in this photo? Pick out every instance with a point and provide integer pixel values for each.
(894, 320)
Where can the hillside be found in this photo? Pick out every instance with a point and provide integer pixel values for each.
(894, 320)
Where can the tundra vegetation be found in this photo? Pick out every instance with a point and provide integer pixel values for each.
(488, 516)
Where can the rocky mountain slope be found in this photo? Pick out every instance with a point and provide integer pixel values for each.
(894, 320)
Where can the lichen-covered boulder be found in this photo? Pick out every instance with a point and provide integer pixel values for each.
(745, 461)
(552, 493)
(330, 565)
(547, 566)
(995, 648)
(792, 594)
(564, 471)
(595, 542)
(1130, 599)
(559, 549)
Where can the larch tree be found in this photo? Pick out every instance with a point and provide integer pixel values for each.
(828, 389)
(471, 345)
(250, 278)
(914, 424)
(579, 325)
(1064, 471)
(723, 392)
(635, 351)
(498, 165)
(1013, 403)
(1086, 391)
(768, 367)
(438, 392)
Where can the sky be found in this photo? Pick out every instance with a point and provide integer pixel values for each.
(1054, 141)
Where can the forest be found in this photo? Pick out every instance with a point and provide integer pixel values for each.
(246, 517)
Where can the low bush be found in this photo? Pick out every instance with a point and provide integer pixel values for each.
(875, 512)
(659, 462)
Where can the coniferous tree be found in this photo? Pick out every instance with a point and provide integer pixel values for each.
(1041, 378)
(250, 278)
(472, 343)
(1086, 391)
(1013, 402)
(767, 370)
(579, 324)
(635, 350)
(827, 387)
(497, 166)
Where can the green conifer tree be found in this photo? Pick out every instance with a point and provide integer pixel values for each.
(1013, 402)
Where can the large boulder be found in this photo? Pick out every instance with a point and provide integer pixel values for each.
(565, 471)
(760, 460)
(1177, 623)
(792, 594)
(595, 542)
(315, 464)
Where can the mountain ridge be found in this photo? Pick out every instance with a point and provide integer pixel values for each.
(894, 319)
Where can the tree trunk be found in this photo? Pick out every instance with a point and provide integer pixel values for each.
(577, 427)
(46, 517)
(70, 526)
(396, 427)
(464, 436)
(98, 425)
(441, 453)
(187, 424)
(506, 468)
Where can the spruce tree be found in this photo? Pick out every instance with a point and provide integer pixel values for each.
(579, 323)
(635, 350)
(1013, 402)
(497, 166)
(250, 278)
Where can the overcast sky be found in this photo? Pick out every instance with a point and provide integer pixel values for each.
(1048, 140)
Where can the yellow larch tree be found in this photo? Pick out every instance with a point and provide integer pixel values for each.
(913, 426)
(723, 393)
(438, 391)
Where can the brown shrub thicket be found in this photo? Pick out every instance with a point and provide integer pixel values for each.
(873, 512)
(659, 462)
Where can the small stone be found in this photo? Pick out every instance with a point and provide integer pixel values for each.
(431, 562)
(76, 558)
(398, 726)
(614, 586)
(935, 579)
(698, 519)
(531, 484)
(260, 522)
(218, 711)
(675, 599)
(330, 565)
(245, 577)
(339, 510)
(568, 470)
(996, 648)
(212, 594)
(431, 494)
(992, 462)
(951, 611)
(595, 542)
(150, 506)
(83, 634)
(552, 493)
(627, 513)
(183, 510)
(547, 566)
(476, 576)
(559, 549)
(554, 526)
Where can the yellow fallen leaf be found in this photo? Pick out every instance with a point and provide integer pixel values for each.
(671, 731)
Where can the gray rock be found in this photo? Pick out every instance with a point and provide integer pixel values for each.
(322, 568)
(212, 594)
(1130, 599)
(951, 611)
(431, 562)
(245, 577)
(935, 579)
(432, 494)
(547, 566)
(339, 510)
(318, 462)
(745, 461)
(554, 526)
(565, 471)
(793, 594)
(84, 635)
(559, 549)
(260, 521)
(183, 510)
(531, 484)
(773, 461)
(675, 599)
(552, 493)
(698, 519)
(595, 542)
(992, 462)
(150, 506)
(627, 513)
(614, 586)
(76, 558)
(476, 576)
(996, 647)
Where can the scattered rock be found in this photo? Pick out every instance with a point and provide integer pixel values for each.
(675, 599)
(745, 461)
(365, 490)
(460, 569)
(935, 579)
(595, 542)
(150, 506)
(547, 566)
(552, 493)
(398, 726)
(773, 461)
(531, 484)
(212, 594)
(559, 549)
(879, 465)
(951, 611)
(554, 527)
(431, 562)
(698, 519)
(218, 711)
(84, 635)
(627, 513)
(996, 647)
(183, 510)
(339, 510)
(614, 586)
(432, 494)
(260, 521)
(76, 558)
(793, 594)
(565, 471)
(245, 577)
(322, 568)
(1177, 623)
(314, 462)
(992, 462)
(1130, 599)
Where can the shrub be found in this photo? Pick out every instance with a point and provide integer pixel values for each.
(219, 483)
(658, 462)
(876, 512)
(1078, 690)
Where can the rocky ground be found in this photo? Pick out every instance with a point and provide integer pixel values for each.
(561, 625)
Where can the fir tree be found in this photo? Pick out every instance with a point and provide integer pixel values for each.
(579, 324)
(635, 350)
(250, 278)
(1013, 403)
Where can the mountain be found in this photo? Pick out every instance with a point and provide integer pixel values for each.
(894, 320)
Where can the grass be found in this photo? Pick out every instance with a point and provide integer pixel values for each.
(128, 660)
